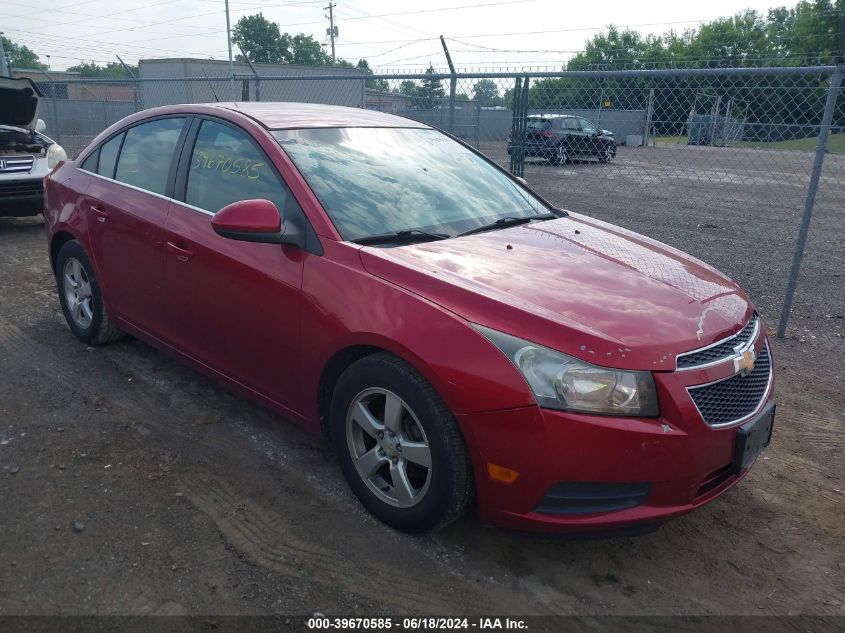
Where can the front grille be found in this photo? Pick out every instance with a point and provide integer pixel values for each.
(14, 188)
(720, 351)
(12, 164)
(730, 400)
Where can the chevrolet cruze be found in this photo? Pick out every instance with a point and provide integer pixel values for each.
(458, 338)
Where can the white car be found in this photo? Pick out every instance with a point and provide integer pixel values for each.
(26, 154)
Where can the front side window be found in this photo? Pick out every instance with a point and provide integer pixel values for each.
(588, 127)
(571, 123)
(147, 154)
(227, 166)
(108, 156)
(383, 180)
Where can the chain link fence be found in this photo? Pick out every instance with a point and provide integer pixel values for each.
(729, 164)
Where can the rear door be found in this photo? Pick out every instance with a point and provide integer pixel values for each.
(232, 305)
(128, 204)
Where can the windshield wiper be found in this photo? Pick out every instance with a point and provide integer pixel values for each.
(404, 237)
(508, 221)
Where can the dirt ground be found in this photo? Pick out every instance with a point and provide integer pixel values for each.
(130, 484)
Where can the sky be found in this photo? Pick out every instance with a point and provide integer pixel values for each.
(393, 35)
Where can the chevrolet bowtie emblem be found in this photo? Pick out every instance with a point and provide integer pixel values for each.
(744, 362)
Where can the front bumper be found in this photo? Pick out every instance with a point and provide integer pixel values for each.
(21, 197)
(581, 472)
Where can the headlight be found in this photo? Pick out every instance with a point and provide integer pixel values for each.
(55, 155)
(563, 382)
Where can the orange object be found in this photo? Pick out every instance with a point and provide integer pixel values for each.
(501, 474)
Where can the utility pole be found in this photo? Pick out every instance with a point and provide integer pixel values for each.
(332, 30)
(4, 69)
(231, 64)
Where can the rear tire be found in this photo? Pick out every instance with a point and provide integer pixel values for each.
(560, 156)
(398, 445)
(81, 298)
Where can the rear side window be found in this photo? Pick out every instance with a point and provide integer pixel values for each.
(227, 166)
(147, 154)
(539, 125)
(108, 156)
(570, 124)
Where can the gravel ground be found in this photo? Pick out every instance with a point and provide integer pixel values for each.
(133, 485)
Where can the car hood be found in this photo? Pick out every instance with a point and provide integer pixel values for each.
(575, 284)
(18, 102)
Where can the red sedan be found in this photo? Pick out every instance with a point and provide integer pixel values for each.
(457, 337)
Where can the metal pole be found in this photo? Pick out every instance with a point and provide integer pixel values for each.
(231, 63)
(331, 26)
(453, 84)
(137, 88)
(4, 68)
(821, 147)
(648, 116)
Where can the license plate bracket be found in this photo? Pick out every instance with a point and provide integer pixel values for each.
(752, 437)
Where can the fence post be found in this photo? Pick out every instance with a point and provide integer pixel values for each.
(821, 148)
(453, 85)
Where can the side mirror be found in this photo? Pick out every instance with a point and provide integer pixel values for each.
(250, 221)
(40, 126)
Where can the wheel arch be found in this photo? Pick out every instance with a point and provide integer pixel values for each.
(59, 239)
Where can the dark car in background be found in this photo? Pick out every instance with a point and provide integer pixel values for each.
(562, 137)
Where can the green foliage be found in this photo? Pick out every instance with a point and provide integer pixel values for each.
(408, 88)
(111, 69)
(430, 93)
(262, 42)
(487, 93)
(380, 85)
(22, 56)
(805, 34)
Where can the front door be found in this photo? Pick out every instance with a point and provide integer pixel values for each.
(234, 306)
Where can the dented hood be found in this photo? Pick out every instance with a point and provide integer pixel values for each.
(578, 285)
(18, 102)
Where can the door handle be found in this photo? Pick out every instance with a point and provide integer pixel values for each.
(101, 214)
(182, 254)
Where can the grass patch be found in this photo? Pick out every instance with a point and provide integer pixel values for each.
(835, 143)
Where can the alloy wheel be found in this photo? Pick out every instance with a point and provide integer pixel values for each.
(389, 448)
(77, 289)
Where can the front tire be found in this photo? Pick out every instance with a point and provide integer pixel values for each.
(81, 298)
(398, 445)
(607, 154)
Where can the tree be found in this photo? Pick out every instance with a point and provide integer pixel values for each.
(486, 93)
(379, 85)
(111, 69)
(260, 40)
(408, 88)
(307, 51)
(431, 92)
(21, 56)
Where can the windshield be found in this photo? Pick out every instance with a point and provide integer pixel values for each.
(373, 181)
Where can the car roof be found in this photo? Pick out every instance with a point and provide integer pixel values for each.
(552, 116)
(287, 115)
